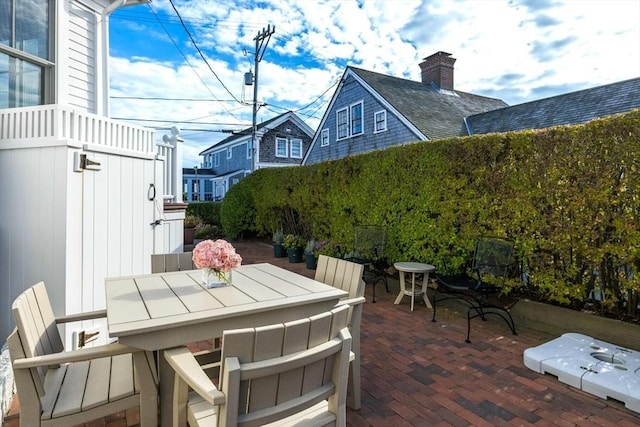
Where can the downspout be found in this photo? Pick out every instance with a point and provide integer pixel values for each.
(102, 105)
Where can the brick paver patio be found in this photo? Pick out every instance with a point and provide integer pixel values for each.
(419, 373)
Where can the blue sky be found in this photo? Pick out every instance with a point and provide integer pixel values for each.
(517, 51)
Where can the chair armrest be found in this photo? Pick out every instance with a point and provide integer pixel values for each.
(187, 368)
(77, 317)
(73, 356)
(352, 301)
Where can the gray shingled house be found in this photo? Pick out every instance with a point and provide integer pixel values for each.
(280, 141)
(372, 111)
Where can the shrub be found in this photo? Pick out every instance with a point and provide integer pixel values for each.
(209, 212)
(237, 211)
(208, 231)
(191, 221)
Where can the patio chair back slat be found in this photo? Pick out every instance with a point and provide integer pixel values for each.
(161, 263)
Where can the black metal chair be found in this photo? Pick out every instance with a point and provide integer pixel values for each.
(369, 246)
(489, 269)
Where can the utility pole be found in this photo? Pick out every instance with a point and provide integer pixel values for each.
(262, 40)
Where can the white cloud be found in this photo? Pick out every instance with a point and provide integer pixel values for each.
(513, 50)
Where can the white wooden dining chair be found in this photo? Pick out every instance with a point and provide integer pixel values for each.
(347, 275)
(65, 388)
(161, 263)
(291, 373)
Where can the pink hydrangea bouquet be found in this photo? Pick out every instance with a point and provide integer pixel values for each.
(217, 257)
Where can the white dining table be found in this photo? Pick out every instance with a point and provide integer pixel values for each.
(164, 310)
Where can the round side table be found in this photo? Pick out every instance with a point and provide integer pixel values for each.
(413, 268)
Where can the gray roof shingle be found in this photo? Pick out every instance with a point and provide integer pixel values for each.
(437, 114)
(568, 109)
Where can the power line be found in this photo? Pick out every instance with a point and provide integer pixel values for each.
(133, 119)
(186, 59)
(200, 52)
(156, 98)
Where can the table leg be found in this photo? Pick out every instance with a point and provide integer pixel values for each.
(413, 289)
(402, 288)
(425, 285)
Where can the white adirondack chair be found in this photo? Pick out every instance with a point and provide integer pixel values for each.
(65, 388)
(284, 374)
(347, 276)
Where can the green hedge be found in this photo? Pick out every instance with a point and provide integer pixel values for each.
(568, 196)
(208, 212)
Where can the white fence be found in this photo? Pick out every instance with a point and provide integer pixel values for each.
(47, 123)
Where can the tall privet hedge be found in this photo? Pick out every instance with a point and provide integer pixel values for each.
(569, 197)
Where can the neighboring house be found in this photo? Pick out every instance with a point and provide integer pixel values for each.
(197, 184)
(372, 111)
(83, 195)
(568, 109)
(280, 141)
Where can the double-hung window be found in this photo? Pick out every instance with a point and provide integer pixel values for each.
(296, 148)
(324, 138)
(342, 123)
(356, 119)
(216, 160)
(229, 152)
(379, 121)
(349, 122)
(281, 147)
(26, 72)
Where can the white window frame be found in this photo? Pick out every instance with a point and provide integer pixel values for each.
(286, 147)
(249, 150)
(351, 118)
(45, 66)
(382, 113)
(229, 153)
(342, 125)
(216, 160)
(324, 138)
(292, 143)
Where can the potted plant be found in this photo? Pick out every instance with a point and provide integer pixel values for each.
(189, 227)
(310, 254)
(294, 245)
(278, 247)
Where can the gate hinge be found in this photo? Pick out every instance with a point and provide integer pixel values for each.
(82, 162)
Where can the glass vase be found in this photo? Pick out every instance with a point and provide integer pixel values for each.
(212, 278)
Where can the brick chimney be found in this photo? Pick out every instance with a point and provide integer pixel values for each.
(438, 69)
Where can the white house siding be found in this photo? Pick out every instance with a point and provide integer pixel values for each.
(82, 56)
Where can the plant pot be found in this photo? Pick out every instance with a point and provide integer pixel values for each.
(278, 251)
(311, 261)
(295, 255)
(189, 234)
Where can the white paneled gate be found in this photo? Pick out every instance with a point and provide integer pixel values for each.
(121, 203)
